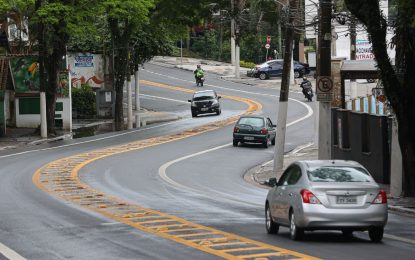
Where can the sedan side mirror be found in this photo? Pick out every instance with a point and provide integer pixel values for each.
(274, 126)
(219, 97)
(189, 100)
(272, 182)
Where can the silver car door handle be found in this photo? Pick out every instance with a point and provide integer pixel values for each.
(290, 194)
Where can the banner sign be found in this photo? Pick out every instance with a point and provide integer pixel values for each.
(84, 61)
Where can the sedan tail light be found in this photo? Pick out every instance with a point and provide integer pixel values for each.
(264, 131)
(381, 198)
(236, 130)
(309, 197)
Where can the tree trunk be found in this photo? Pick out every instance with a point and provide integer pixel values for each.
(52, 66)
(121, 45)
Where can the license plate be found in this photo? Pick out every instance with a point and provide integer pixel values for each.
(249, 138)
(346, 200)
(204, 109)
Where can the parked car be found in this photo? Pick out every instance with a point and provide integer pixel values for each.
(326, 195)
(254, 129)
(204, 102)
(273, 68)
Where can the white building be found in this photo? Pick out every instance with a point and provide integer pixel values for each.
(341, 34)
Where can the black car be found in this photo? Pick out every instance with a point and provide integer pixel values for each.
(205, 102)
(254, 129)
(273, 68)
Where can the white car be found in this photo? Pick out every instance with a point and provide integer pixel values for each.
(326, 195)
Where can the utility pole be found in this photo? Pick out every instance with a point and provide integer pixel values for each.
(324, 82)
(285, 87)
(232, 33)
(237, 13)
(353, 85)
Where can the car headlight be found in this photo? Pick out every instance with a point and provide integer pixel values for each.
(215, 103)
(193, 104)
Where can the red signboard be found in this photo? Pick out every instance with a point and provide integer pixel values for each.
(268, 39)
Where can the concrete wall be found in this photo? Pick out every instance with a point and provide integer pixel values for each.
(33, 120)
(363, 138)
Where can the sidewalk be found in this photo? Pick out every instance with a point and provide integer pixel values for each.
(20, 137)
(259, 174)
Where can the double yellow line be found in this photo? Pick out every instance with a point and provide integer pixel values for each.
(61, 178)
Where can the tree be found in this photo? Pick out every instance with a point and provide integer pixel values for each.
(124, 17)
(398, 81)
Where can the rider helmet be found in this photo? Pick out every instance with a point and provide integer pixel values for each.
(198, 66)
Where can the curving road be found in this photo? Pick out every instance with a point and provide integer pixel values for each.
(197, 180)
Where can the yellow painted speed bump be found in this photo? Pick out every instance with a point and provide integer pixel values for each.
(61, 178)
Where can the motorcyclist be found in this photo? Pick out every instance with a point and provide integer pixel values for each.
(199, 74)
(305, 85)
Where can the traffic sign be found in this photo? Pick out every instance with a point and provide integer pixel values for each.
(268, 39)
(324, 84)
(324, 89)
(267, 46)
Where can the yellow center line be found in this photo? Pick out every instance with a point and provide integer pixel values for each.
(61, 178)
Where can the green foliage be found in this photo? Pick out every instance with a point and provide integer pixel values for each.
(247, 64)
(83, 100)
(207, 46)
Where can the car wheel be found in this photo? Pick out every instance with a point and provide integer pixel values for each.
(194, 114)
(297, 74)
(218, 112)
(376, 234)
(263, 76)
(266, 143)
(296, 233)
(273, 141)
(235, 143)
(271, 226)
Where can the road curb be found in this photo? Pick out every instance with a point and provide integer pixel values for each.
(400, 209)
(54, 139)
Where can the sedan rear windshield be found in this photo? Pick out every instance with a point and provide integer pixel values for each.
(204, 96)
(253, 121)
(338, 174)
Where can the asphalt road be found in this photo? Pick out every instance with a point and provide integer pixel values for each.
(199, 179)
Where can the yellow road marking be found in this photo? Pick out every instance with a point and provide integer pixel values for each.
(61, 178)
(261, 255)
(196, 234)
(242, 249)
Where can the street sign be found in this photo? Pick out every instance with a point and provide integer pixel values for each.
(268, 39)
(324, 89)
(267, 46)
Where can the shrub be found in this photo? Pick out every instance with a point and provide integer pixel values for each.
(83, 100)
(247, 64)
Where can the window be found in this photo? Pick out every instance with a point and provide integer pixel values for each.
(204, 95)
(295, 175)
(284, 178)
(290, 176)
(253, 121)
(338, 174)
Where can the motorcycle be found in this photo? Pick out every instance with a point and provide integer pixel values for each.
(307, 90)
(199, 81)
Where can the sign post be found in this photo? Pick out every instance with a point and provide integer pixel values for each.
(267, 46)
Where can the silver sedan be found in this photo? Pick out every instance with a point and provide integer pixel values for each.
(326, 195)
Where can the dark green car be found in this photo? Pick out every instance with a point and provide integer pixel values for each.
(254, 129)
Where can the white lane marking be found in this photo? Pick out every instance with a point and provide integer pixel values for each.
(401, 239)
(163, 168)
(168, 99)
(10, 253)
(94, 140)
